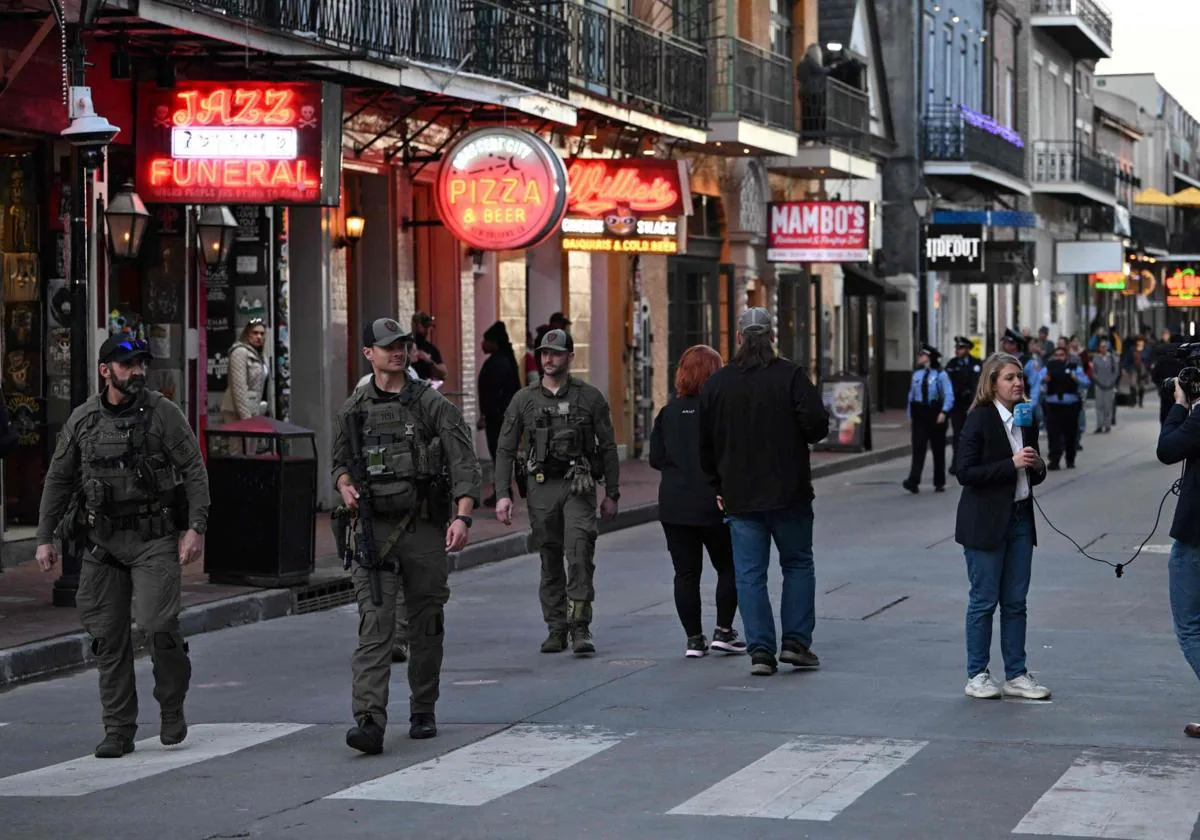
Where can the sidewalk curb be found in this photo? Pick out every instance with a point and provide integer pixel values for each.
(71, 651)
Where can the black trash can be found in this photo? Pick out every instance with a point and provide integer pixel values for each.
(262, 526)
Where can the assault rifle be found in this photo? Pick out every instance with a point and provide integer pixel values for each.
(365, 549)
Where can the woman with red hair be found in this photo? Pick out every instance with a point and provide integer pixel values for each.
(687, 507)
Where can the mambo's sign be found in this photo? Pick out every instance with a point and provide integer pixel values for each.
(819, 231)
(240, 143)
(625, 206)
(954, 248)
(501, 189)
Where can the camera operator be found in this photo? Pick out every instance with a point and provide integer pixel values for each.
(1167, 364)
(1179, 441)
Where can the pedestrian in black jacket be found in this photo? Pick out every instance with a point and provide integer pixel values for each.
(687, 507)
(1179, 441)
(758, 416)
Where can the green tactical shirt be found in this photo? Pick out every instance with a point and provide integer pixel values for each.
(522, 415)
(167, 425)
(466, 477)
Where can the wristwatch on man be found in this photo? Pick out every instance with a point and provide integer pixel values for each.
(199, 527)
(616, 497)
(466, 519)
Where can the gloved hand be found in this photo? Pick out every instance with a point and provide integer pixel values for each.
(582, 481)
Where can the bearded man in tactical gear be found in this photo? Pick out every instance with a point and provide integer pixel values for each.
(569, 437)
(419, 461)
(126, 478)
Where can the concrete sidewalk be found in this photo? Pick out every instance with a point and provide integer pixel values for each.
(38, 639)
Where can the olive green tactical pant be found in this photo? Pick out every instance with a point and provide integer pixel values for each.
(145, 587)
(401, 636)
(425, 578)
(564, 525)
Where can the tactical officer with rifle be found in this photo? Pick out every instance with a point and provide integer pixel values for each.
(570, 445)
(126, 478)
(402, 459)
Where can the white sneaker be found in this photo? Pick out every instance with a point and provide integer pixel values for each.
(982, 687)
(1026, 687)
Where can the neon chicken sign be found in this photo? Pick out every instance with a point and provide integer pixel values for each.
(245, 143)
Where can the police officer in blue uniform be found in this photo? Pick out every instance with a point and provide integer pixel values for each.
(930, 401)
(963, 371)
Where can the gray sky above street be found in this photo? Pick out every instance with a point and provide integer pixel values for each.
(1157, 36)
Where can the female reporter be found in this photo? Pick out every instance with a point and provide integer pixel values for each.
(998, 465)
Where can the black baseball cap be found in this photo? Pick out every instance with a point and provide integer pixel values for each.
(121, 348)
(384, 332)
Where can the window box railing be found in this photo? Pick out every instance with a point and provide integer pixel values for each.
(1098, 18)
(834, 113)
(525, 45)
(956, 133)
(1070, 161)
(750, 83)
(616, 57)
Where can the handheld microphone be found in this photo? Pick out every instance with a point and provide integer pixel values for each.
(1023, 414)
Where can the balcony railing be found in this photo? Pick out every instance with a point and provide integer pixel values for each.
(832, 112)
(752, 84)
(1185, 242)
(1095, 16)
(527, 46)
(955, 133)
(1149, 233)
(1069, 161)
(611, 55)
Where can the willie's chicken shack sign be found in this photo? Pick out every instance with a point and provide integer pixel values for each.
(819, 231)
(625, 206)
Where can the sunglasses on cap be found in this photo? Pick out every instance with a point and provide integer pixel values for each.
(256, 322)
(135, 344)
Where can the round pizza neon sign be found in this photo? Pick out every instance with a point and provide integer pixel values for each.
(501, 189)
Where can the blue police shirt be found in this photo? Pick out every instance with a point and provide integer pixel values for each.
(941, 391)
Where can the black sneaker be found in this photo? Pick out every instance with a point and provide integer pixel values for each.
(367, 737)
(763, 664)
(556, 642)
(697, 646)
(796, 654)
(400, 652)
(114, 745)
(174, 728)
(727, 641)
(422, 725)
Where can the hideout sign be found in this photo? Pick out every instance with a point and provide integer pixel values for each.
(954, 248)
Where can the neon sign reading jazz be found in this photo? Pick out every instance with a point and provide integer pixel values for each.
(251, 142)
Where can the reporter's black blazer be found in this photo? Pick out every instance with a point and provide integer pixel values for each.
(985, 470)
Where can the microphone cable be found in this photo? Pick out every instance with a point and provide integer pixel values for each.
(1118, 567)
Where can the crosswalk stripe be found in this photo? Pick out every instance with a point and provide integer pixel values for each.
(81, 776)
(488, 769)
(805, 779)
(1151, 798)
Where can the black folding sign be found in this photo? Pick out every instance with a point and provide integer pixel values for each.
(954, 248)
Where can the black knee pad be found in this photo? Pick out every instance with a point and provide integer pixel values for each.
(430, 622)
(165, 640)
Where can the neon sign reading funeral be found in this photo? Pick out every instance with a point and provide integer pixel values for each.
(248, 142)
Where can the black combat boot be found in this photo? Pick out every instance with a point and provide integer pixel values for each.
(422, 725)
(556, 642)
(367, 737)
(114, 745)
(174, 728)
(581, 635)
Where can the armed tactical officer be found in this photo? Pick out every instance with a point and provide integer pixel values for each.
(126, 478)
(402, 456)
(570, 443)
(963, 371)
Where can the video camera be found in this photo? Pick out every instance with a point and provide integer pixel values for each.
(1189, 376)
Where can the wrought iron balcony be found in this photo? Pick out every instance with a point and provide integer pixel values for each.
(1185, 242)
(1084, 27)
(493, 38)
(957, 134)
(614, 56)
(836, 114)
(1149, 233)
(1068, 162)
(750, 83)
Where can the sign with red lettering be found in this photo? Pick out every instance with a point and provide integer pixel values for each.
(819, 231)
(1183, 288)
(240, 143)
(501, 189)
(625, 206)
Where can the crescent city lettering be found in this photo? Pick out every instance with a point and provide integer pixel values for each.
(493, 145)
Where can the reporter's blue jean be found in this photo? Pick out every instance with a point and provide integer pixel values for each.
(1184, 587)
(1000, 577)
(792, 530)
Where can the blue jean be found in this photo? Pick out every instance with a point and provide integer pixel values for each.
(1000, 577)
(1184, 586)
(792, 530)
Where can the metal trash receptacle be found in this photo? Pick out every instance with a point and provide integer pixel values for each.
(262, 525)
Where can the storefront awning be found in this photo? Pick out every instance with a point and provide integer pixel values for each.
(860, 279)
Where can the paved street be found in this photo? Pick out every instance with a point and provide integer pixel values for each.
(638, 742)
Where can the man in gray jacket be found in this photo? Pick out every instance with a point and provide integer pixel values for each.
(1106, 373)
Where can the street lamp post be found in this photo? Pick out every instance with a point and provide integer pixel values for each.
(922, 202)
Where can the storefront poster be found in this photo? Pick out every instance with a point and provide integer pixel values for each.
(219, 342)
(27, 416)
(847, 399)
(819, 231)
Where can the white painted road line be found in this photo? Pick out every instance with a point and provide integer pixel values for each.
(1151, 798)
(488, 769)
(805, 779)
(88, 775)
